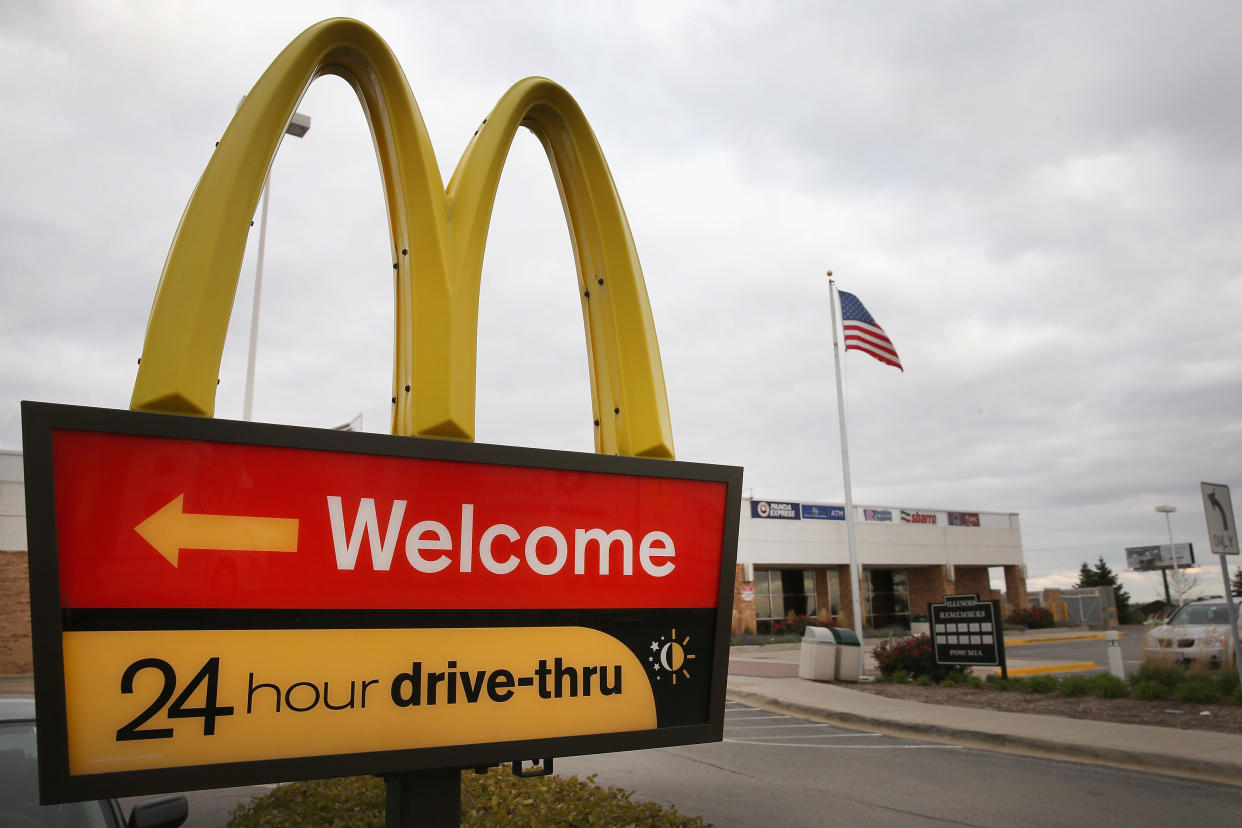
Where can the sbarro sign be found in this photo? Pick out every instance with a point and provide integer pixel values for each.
(219, 603)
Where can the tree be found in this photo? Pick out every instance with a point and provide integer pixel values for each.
(1101, 576)
(1183, 583)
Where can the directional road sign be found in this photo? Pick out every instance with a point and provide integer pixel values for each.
(1222, 528)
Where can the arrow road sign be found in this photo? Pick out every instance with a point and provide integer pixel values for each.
(1222, 528)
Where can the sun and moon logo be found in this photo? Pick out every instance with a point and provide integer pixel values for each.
(668, 655)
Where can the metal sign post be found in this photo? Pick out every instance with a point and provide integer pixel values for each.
(1223, 536)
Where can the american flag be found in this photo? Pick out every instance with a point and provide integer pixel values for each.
(863, 334)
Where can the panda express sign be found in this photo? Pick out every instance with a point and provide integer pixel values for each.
(233, 603)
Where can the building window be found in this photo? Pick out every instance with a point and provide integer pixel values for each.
(780, 593)
(887, 594)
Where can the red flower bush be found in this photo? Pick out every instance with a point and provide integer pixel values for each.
(914, 655)
(1033, 618)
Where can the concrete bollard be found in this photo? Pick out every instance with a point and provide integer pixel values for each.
(1115, 664)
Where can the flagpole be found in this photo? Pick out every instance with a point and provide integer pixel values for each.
(855, 574)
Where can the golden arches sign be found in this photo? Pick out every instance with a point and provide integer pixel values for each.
(438, 238)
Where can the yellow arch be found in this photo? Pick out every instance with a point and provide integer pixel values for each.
(438, 241)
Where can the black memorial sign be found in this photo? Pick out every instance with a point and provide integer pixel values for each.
(967, 631)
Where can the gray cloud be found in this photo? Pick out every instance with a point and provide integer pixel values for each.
(1038, 202)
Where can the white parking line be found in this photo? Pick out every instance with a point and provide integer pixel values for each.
(846, 747)
(823, 736)
(772, 726)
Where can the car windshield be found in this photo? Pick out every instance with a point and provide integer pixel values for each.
(1200, 614)
(19, 787)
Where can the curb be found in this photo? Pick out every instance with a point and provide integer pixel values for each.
(1220, 772)
(1068, 667)
(1055, 638)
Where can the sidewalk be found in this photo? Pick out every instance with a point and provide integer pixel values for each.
(767, 677)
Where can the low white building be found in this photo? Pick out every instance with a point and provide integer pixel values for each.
(793, 558)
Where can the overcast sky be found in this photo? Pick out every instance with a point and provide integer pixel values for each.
(1040, 202)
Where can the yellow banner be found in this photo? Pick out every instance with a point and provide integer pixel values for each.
(157, 699)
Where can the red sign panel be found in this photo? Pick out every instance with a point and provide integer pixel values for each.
(159, 522)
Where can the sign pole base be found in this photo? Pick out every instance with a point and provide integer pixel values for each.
(1233, 618)
(424, 798)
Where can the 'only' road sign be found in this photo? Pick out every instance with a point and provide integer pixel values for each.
(1222, 528)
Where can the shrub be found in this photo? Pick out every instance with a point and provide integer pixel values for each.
(995, 682)
(1033, 618)
(1075, 686)
(1226, 681)
(1197, 688)
(1108, 686)
(1162, 671)
(495, 798)
(896, 677)
(923, 681)
(914, 655)
(1038, 684)
(1151, 690)
(974, 682)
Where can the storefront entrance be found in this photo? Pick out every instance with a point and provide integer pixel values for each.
(887, 596)
(780, 593)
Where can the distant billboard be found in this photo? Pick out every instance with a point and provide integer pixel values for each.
(1152, 558)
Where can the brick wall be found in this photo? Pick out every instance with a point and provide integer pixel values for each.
(743, 611)
(927, 586)
(15, 651)
(974, 580)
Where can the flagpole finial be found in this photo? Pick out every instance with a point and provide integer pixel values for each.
(830, 274)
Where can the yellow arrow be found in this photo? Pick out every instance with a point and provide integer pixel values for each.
(170, 530)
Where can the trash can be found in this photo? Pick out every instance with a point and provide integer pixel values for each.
(817, 660)
(848, 653)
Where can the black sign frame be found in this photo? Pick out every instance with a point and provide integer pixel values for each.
(965, 609)
(49, 622)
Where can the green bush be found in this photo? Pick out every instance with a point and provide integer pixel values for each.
(995, 682)
(1166, 673)
(1151, 690)
(1108, 686)
(923, 680)
(896, 677)
(1075, 686)
(1226, 681)
(495, 798)
(1197, 688)
(974, 682)
(1038, 684)
(957, 678)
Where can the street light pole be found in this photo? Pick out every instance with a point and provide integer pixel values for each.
(1166, 511)
(298, 126)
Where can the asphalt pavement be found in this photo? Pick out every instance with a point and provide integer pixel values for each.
(767, 677)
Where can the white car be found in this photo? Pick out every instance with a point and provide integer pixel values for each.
(1198, 631)
(19, 799)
